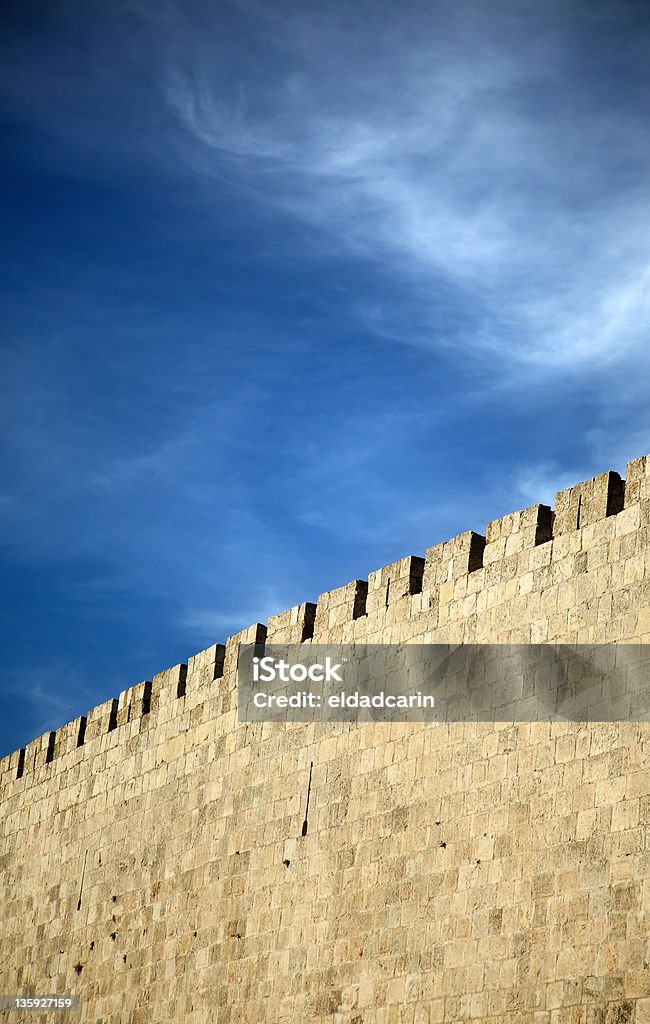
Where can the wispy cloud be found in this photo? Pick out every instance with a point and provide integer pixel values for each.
(466, 147)
(538, 483)
(45, 696)
(212, 623)
(471, 157)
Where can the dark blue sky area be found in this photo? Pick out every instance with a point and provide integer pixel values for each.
(291, 291)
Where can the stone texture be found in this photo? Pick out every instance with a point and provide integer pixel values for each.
(152, 855)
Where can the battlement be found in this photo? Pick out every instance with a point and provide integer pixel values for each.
(446, 592)
(167, 862)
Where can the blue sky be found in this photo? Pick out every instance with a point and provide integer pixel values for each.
(291, 290)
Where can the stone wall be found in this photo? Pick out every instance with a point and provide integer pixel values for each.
(152, 856)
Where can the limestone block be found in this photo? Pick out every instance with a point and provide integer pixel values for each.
(101, 720)
(637, 480)
(205, 667)
(70, 736)
(294, 626)
(255, 634)
(452, 559)
(395, 581)
(167, 686)
(134, 702)
(588, 502)
(517, 532)
(339, 606)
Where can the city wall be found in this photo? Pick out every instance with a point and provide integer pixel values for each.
(168, 864)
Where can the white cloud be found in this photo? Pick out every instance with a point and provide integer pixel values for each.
(449, 163)
(217, 622)
(538, 483)
(46, 694)
(468, 146)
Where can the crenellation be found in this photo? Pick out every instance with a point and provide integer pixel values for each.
(255, 634)
(166, 688)
(588, 502)
(204, 668)
(37, 753)
(452, 559)
(100, 720)
(11, 769)
(68, 736)
(458, 580)
(339, 608)
(473, 871)
(517, 532)
(389, 585)
(637, 477)
(294, 626)
(134, 703)
(7, 770)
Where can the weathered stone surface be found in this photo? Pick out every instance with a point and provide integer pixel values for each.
(152, 855)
